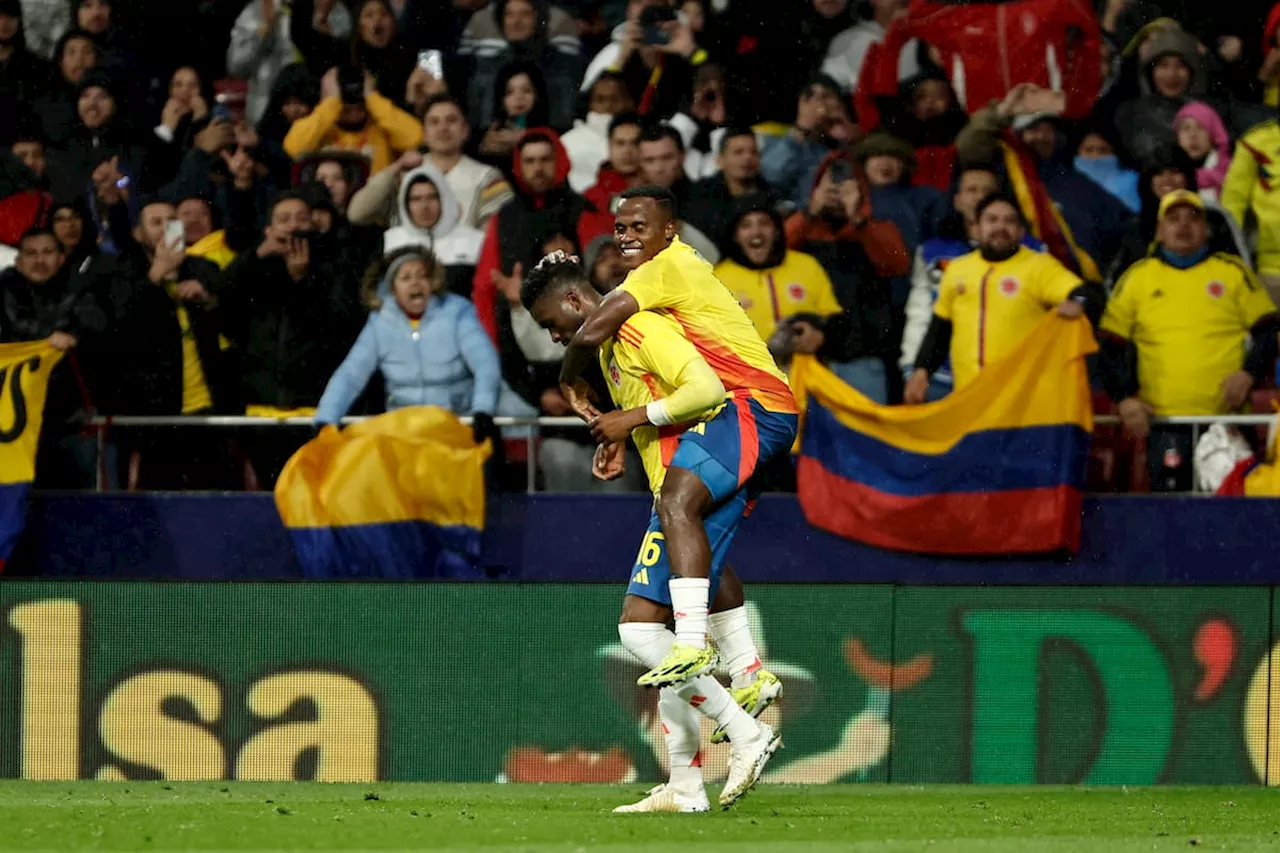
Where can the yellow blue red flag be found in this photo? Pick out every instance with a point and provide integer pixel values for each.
(995, 468)
(397, 496)
(24, 383)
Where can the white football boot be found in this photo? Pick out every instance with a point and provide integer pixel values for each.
(664, 798)
(746, 764)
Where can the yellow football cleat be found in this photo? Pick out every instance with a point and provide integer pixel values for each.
(681, 664)
(753, 699)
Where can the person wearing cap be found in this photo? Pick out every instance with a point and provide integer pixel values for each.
(990, 299)
(352, 116)
(1186, 332)
(890, 164)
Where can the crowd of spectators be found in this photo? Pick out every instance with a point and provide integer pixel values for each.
(325, 207)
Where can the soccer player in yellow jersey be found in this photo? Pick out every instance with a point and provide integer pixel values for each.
(675, 408)
(668, 277)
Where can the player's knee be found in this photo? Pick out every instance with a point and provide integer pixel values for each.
(677, 505)
(647, 641)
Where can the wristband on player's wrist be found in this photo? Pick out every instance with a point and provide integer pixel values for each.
(657, 414)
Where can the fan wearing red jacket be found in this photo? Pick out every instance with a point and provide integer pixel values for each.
(540, 168)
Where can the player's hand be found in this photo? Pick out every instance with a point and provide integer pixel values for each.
(614, 427)
(1236, 388)
(578, 396)
(610, 462)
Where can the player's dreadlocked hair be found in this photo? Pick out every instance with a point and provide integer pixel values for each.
(552, 272)
(660, 195)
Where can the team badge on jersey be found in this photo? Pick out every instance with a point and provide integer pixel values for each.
(1216, 289)
(1009, 287)
(615, 375)
(796, 291)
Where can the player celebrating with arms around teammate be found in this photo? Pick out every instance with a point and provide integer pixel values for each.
(669, 399)
(669, 277)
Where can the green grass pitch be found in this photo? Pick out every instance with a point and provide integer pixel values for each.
(119, 816)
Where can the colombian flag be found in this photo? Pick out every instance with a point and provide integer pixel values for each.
(24, 382)
(995, 468)
(399, 496)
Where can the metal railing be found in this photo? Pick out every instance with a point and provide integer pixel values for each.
(535, 425)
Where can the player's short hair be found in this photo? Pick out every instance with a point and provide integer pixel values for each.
(734, 133)
(661, 196)
(998, 198)
(550, 275)
(661, 131)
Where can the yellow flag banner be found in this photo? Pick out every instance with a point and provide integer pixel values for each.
(397, 496)
(24, 384)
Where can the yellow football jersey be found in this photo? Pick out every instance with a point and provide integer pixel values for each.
(1191, 328)
(992, 306)
(680, 283)
(640, 365)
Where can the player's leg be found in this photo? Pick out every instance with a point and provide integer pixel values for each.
(643, 631)
(753, 742)
(754, 688)
(708, 468)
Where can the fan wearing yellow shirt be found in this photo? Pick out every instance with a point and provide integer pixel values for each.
(667, 276)
(991, 298)
(675, 409)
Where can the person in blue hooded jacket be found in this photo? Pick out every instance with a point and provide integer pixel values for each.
(427, 343)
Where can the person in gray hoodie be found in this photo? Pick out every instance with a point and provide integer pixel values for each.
(429, 217)
(426, 342)
(1172, 75)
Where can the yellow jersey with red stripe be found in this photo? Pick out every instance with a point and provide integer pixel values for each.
(680, 283)
(992, 306)
(641, 364)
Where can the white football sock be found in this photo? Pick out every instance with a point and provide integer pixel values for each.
(680, 725)
(648, 641)
(732, 633)
(690, 599)
(711, 698)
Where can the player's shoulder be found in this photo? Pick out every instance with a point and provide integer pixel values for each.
(644, 324)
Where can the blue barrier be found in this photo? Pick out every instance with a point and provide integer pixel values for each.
(577, 538)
